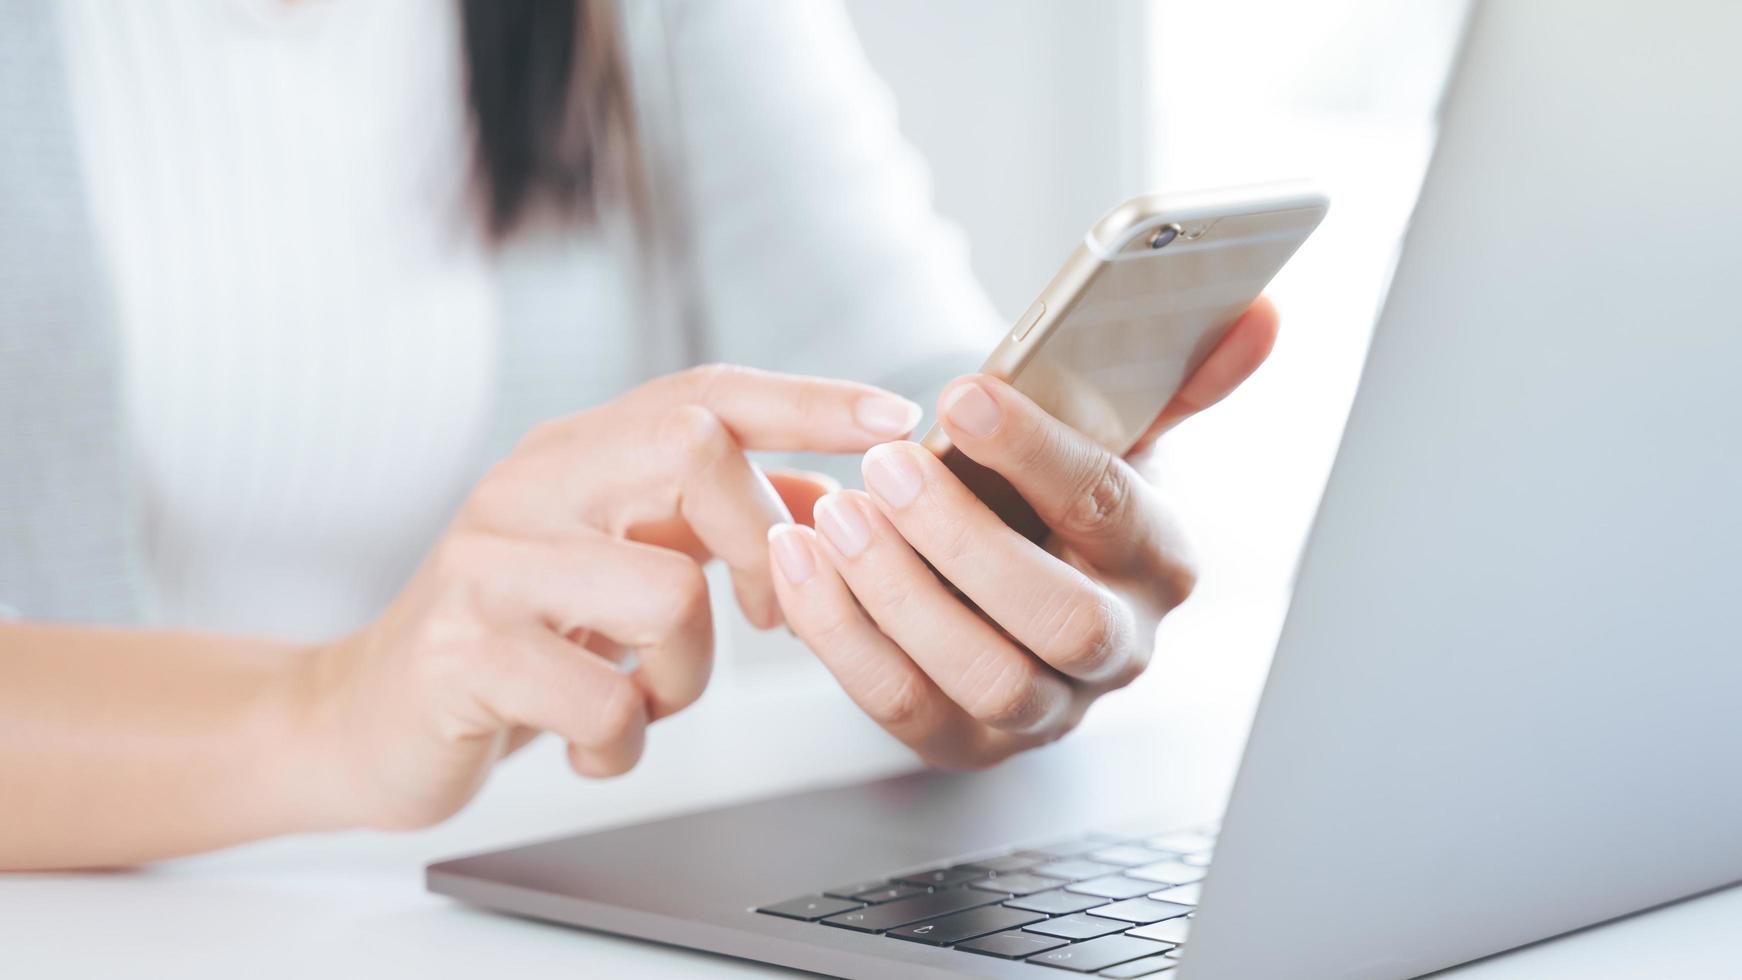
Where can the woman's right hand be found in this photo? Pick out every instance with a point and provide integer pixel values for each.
(567, 596)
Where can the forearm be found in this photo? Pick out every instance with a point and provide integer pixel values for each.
(122, 746)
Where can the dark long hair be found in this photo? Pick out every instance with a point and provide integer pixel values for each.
(547, 86)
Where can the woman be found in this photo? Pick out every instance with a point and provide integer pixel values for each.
(252, 355)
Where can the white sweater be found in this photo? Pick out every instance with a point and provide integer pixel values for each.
(320, 353)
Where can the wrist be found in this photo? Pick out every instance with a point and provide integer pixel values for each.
(305, 774)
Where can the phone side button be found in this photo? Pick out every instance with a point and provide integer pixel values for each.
(1029, 319)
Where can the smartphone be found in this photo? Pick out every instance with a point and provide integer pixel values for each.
(1137, 307)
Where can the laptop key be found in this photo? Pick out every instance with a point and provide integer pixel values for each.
(1128, 855)
(848, 891)
(889, 893)
(809, 908)
(1169, 931)
(1172, 872)
(1099, 954)
(942, 877)
(1075, 869)
(1183, 894)
(1113, 886)
(1015, 884)
(1059, 902)
(906, 911)
(1140, 968)
(1079, 926)
(1069, 848)
(972, 924)
(1012, 945)
(1008, 863)
(1183, 842)
(1141, 910)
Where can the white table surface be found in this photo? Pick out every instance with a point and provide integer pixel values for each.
(354, 905)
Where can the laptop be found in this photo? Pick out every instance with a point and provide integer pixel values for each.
(1507, 701)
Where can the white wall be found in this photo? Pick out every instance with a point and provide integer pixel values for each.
(1020, 108)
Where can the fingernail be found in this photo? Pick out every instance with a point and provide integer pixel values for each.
(887, 415)
(791, 552)
(772, 505)
(973, 411)
(842, 524)
(891, 474)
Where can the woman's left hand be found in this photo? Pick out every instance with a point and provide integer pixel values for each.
(1055, 628)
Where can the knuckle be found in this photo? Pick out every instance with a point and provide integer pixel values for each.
(1099, 499)
(1179, 580)
(620, 713)
(704, 380)
(703, 377)
(681, 596)
(897, 701)
(697, 434)
(890, 593)
(1083, 639)
(1034, 447)
(1171, 567)
(955, 543)
(606, 767)
(1010, 697)
(602, 765)
(449, 651)
(831, 628)
(689, 695)
(1167, 566)
(811, 401)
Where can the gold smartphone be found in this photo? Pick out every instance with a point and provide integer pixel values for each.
(1149, 293)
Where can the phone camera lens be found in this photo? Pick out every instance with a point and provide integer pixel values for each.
(1164, 235)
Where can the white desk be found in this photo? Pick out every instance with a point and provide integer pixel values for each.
(354, 904)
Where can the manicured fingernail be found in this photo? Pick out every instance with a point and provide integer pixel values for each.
(973, 411)
(791, 552)
(887, 415)
(890, 473)
(772, 505)
(841, 522)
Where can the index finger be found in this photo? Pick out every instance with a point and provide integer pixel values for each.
(767, 410)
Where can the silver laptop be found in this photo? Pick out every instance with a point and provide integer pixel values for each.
(1508, 699)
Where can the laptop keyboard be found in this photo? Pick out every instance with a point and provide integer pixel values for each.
(1101, 905)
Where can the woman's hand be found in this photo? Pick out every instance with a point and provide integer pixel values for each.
(568, 596)
(1055, 628)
